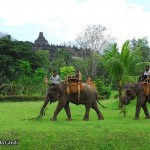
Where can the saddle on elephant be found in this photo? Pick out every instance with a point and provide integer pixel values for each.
(73, 88)
(146, 87)
(73, 85)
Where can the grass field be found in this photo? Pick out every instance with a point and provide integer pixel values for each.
(114, 133)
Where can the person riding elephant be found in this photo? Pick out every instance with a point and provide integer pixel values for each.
(87, 97)
(136, 90)
(145, 74)
(55, 78)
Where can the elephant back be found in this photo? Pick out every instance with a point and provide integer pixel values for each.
(73, 88)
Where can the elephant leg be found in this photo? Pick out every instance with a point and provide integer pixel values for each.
(43, 107)
(137, 112)
(59, 107)
(86, 117)
(68, 113)
(95, 107)
(145, 109)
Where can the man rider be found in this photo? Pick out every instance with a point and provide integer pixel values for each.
(55, 79)
(145, 74)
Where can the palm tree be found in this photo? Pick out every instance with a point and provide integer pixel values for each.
(118, 64)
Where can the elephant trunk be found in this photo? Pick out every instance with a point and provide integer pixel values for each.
(125, 100)
(43, 107)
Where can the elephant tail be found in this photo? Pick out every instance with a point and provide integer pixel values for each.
(98, 101)
(100, 104)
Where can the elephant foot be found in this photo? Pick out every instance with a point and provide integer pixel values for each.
(85, 119)
(101, 118)
(136, 118)
(147, 117)
(53, 119)
(69, 119)
(42, 114)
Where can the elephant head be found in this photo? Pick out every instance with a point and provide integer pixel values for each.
(53, 94)
(130, 92)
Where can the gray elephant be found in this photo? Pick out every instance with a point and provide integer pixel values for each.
(87, 97)
(136, 90)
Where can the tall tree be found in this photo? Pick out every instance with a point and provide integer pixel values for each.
(93, 40)
(10, 52)
(63, 58)
(141, 46)
(118, 64)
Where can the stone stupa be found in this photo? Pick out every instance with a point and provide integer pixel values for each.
(41, 43)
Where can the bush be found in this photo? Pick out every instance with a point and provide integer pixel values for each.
(102, 89)
(116, 96)
(16, 98)
(66, 70)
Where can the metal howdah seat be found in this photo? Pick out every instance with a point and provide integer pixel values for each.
(148, 79)
(72, 79)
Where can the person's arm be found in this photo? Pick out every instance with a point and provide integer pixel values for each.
(46, 80)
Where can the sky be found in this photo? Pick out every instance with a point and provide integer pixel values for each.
(62, 20)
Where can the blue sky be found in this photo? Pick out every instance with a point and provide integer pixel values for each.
(145, 4)
(62, 20)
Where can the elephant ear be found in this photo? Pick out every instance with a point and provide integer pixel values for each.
(62, 87)
(138, 88)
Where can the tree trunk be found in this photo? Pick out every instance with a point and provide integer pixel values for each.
(120, 93)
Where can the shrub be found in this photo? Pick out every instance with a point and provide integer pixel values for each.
(116, 96)
(66, 70)
(16, 98)
(102, 89)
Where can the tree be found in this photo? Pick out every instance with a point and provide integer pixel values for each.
(43, 59)
(117, 64)
(63, 58)
(141, 46)
(140, 56)
(38, 80)
(66, 70)
(7, 69)
(24, 75)
(93, 40)
(12, 52)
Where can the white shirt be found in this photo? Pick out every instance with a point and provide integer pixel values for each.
(55, 80)
(147, 73)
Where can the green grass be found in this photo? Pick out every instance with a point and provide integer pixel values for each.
(114, 133)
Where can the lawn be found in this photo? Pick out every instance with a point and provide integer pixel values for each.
(114, 133)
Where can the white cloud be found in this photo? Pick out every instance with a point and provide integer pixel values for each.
(66, 18)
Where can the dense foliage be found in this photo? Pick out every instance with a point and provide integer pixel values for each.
(22, 70)
(18, 98)
(102, 89)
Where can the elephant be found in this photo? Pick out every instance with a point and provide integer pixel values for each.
(136, 90)
(87, 97)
